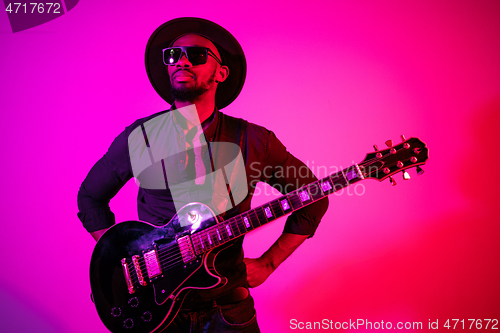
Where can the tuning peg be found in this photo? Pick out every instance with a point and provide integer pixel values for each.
(393, 182)
(403, 137)
(406, 175)
(389, 143)
(419, 170)
(379, 155)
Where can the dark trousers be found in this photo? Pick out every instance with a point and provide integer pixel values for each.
(230, 318)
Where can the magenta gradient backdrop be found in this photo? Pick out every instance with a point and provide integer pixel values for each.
(331, 78)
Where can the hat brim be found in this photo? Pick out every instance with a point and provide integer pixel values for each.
(231, 52)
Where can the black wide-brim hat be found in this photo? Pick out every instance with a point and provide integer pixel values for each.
(229, 48)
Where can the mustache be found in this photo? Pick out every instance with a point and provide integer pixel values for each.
(183, 70)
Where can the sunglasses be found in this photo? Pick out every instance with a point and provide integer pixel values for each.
(197, 55)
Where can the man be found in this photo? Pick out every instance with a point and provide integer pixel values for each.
(187, 155)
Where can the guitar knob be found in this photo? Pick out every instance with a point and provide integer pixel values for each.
(403, 137)
(393, 182)
(128, 323)
(116, 312)
(406, 175)
(419, 170)
(375, 147)
(147, 316)
(389, 143)
(133, 302)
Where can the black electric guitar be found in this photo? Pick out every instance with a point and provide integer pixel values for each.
(140, 273)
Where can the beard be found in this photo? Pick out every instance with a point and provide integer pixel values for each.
(191, 94)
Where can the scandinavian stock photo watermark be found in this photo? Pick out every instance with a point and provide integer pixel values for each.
(296, 173)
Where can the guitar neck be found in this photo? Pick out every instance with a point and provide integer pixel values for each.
(234, 227)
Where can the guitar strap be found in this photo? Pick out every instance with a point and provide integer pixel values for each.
(231, 130)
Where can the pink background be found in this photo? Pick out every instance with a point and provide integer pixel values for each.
(331, 78)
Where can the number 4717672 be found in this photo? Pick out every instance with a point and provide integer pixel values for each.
(39, 6)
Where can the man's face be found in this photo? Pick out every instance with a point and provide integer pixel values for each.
(189, 82)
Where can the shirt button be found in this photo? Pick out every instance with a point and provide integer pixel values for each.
(181, 161)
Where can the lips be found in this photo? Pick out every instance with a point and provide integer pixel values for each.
(182, 75)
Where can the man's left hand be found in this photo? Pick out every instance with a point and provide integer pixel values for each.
(258, 270)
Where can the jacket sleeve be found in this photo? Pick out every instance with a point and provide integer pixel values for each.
(288, 174)
(102, 183)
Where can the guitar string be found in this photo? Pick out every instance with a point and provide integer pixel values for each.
(167, 259)
(167, 253)
(172, 260)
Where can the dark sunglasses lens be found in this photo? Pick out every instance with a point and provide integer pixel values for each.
(197, 55)
(172, 55)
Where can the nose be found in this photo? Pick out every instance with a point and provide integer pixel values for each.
(183, 61)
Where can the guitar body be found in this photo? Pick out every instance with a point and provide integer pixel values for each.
(150, 307)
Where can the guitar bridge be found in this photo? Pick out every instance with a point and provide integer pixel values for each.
(140, 277)
(128, 278)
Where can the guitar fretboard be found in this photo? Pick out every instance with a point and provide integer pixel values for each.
(234, 227)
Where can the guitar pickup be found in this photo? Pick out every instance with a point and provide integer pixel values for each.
(152, 263)
(186, 248)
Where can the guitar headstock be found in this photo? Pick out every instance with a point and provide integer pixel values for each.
(382, 164)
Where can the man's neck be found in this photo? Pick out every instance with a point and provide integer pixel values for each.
(204, 108)
(194, 113)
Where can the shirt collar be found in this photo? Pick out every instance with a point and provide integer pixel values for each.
(209, 125)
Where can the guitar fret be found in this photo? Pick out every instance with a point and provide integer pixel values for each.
(352, 175)
(223, 232)
(315, 191)
(295, 200)
(285, 204)
(196, 244)
(304, 196)
(278, 211)
(213, 236)
(205, 241)
(327, 186)
(200, 246)
(241, 224)
(339, 181)
(228, 230)
(261, 215)
(202, 240)
(254, 219)
(209, 238)
(268, 211)
(247, 224)
(236, 226)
